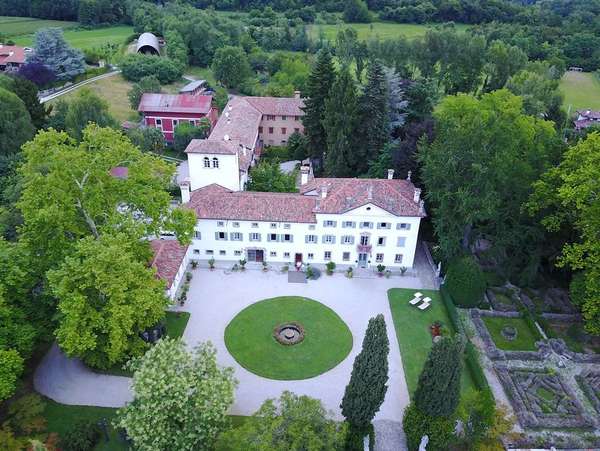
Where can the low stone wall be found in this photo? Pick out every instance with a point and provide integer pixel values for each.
(567, 317)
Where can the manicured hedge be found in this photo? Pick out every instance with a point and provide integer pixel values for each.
(451, 308)
(465, 282)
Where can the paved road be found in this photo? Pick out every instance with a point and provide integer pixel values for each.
(77, 86)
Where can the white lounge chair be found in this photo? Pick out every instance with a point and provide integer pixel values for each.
(428, 300)
(424, 305)
(418, 294)
(415, 301)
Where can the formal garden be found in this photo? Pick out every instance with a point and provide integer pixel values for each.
(288, 338)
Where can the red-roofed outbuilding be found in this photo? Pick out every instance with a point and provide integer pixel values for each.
(166, 111)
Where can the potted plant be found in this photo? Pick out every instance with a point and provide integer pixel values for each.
(309, 271)
(285, 268)
(188, 276)
(388, 274)
(243, 264)
(403, 270)
(380, 269)
(235, 267)
(436, 329)
(265, 266)
(211, 263)
(349, 272)
(330, 267)
(194, 264)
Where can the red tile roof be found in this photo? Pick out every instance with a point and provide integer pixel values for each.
(175, 103)
(394, 196)
(277, 106)
(12, 54)
(239, 121)
(213, 146)
(168, 255)
(344, 194)
(589, 114)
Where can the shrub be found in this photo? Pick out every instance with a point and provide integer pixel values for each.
(136, 66)
(465, 282)
(276, 154)
(83, 436)
(330, 267)
(450, 308)
(380, 268)
(417, 424)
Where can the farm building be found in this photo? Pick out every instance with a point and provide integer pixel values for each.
(12, 57)
(148, 44)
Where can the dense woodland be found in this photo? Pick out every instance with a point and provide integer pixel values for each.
(475, 117)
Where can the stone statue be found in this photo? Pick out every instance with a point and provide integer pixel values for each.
(423, 444)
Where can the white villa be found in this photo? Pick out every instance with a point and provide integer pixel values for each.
(349, 221)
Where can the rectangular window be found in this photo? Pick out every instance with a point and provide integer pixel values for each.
(403, 226)
(287, 226)
(329, 223)
(209, 252)
(197, 235)
(398, 258)
(401, 241)
(379, 258)
(327, 255)
(159, 122)
(175, 122)
(273, 225)
(260, 130)
(381, 241)
(255, 225)
(348, 224)
(286, 255)
(366, 225)
(311, 239)
(347, 239)
(235, 224)
(270, 118)
(311, 227)
(196, 251)
(283, 130)
(364, 240)
(287, 238)
(222, 253)
(221, 236)
(255, 237)
(220, 224)
(329, 239)
(384, 225)
(311, 256)
(237, 253)
(270, 130)
(272, 254)
(284, 118)
(296, 118)
(346, 256)
(236, 236)
(272, 237)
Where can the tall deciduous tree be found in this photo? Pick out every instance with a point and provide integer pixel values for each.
(340, 123)
(374, 116)
(366, 390)
(180, 398)
(15, 123)
(106, 298)
(185, 132)
(69, 193)
(231, 67)
(438, 389)
(291, 422)
(478, 173)
(268, 177)
(568, 195)
(85, 108)
(503, 61)
(318, 86)
(52, 50)
(146, 84)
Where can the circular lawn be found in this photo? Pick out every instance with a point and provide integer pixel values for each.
(250, 340)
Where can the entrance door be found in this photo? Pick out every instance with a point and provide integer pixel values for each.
(362, 259)
(298, 258)
(255, 255)
(260, 255)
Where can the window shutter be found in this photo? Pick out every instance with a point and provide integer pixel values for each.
(333, 239)
(217, 236)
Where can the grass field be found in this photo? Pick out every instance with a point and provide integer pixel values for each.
(581, 91)
(85, 39)
(525, 340)
(249, 338)
(15, 26)
(383, 30)
(414, 337)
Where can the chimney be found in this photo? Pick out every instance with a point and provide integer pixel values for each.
(304, 172)
(185, 191)
(417, 195)
(390, 174)
(370, 192)
(296, 94)
(409, 175)
(323, 191)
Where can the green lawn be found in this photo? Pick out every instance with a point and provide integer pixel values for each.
(526, 337)
(85, 39)
(581, 91)
(249, 338)
(175, 323)
(414, 336)
(16, 26)
(383, 30)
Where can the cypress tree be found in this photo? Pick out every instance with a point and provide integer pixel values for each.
(341, 124)
(438, 390)
(375, 122)
(318, 85)
(367, 387)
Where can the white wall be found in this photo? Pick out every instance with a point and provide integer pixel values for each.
(208, 241)
(179, 277)
(226, 175)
